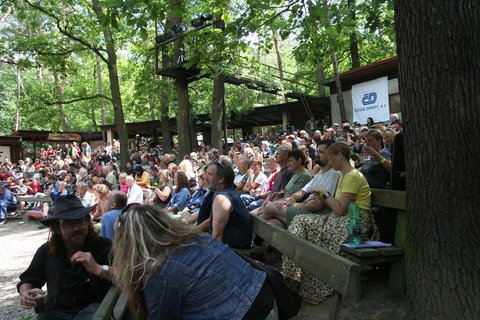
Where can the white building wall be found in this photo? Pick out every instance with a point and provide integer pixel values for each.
(5, 153)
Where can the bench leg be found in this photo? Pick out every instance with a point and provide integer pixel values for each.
(335, 309)
(397, 275)
(397, 279)
(355, 287)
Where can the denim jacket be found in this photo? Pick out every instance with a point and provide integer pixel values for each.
(180, 199)
(204, 281)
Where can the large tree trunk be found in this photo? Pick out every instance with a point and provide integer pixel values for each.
(100, 89)
(439, 79)
(151, 102)
(115, 89)
(60, 87)
(279, 59)
(321, 78)
(353, 35)
(183, 112)
(18, 119)
(338, 84)
(218, 100)
(217, 111)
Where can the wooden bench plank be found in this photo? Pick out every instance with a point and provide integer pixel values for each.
(334, 269)
(121, 308)
(34, 198)
(390, 251)
(361, 252)
(108, 304)
(389, 198)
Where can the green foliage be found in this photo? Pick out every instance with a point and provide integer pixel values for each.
(30, 37)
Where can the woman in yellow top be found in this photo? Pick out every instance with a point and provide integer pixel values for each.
(331, 231)
(141, 177)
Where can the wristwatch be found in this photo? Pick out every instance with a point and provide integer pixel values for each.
(326, 195)
(105, 270)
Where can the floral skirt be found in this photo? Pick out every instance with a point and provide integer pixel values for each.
(330, 232)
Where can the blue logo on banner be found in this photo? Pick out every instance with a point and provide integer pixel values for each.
(369, 98)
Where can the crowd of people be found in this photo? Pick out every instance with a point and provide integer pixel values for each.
(300, 180)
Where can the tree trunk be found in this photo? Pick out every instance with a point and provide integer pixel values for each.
(279, 60)
(164, 109)
(151, 102)
(100, 89)
(321, 77)
(217, 111)
(338, 84)
(183, 112)
(353, 36)
(5, 16)
(115, 89)
(60, 87)
(18, 119)
(439, 79)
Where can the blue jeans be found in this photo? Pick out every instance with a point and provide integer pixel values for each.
(251, 202)
(6, 207)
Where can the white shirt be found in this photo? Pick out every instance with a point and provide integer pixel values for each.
(87, 199)
(135, 194)
(262, 180)
(328, 180)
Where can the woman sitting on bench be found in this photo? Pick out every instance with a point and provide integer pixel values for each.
(173, 272)
(331, 231)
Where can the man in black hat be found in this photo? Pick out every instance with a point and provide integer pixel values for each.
(73, 264)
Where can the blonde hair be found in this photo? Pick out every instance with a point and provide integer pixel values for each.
(144, 237)
(101, 189)
(167, 174)
(343, 148)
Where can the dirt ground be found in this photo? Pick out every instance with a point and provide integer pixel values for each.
(21, 240)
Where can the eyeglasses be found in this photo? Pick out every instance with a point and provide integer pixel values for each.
(221, 164)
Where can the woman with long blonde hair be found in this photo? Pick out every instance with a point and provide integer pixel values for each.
(173, 272)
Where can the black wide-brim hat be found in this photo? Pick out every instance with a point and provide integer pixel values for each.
(68, 207)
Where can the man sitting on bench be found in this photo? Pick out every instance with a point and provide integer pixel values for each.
(67, 263)
(283, 211)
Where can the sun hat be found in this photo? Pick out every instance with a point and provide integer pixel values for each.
(67, 207)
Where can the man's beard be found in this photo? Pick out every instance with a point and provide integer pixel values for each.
(319, 162)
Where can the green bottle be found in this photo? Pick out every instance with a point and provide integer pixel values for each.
(354, 224)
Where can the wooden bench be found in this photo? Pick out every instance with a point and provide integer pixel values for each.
(392, 255)
(341, 273)
(20, 213)
(335, 270)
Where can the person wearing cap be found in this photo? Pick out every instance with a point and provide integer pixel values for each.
(8, 203)
(73, 263)
(136, 142)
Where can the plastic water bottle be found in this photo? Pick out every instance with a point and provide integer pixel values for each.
(354, 224)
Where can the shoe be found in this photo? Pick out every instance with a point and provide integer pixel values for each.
(4, 221)
(42, 226)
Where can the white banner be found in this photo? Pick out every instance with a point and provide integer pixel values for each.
(370, 99)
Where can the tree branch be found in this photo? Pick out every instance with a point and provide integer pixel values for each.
(287, 8)
(65, 32)
(65, 53)
(79, 99)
